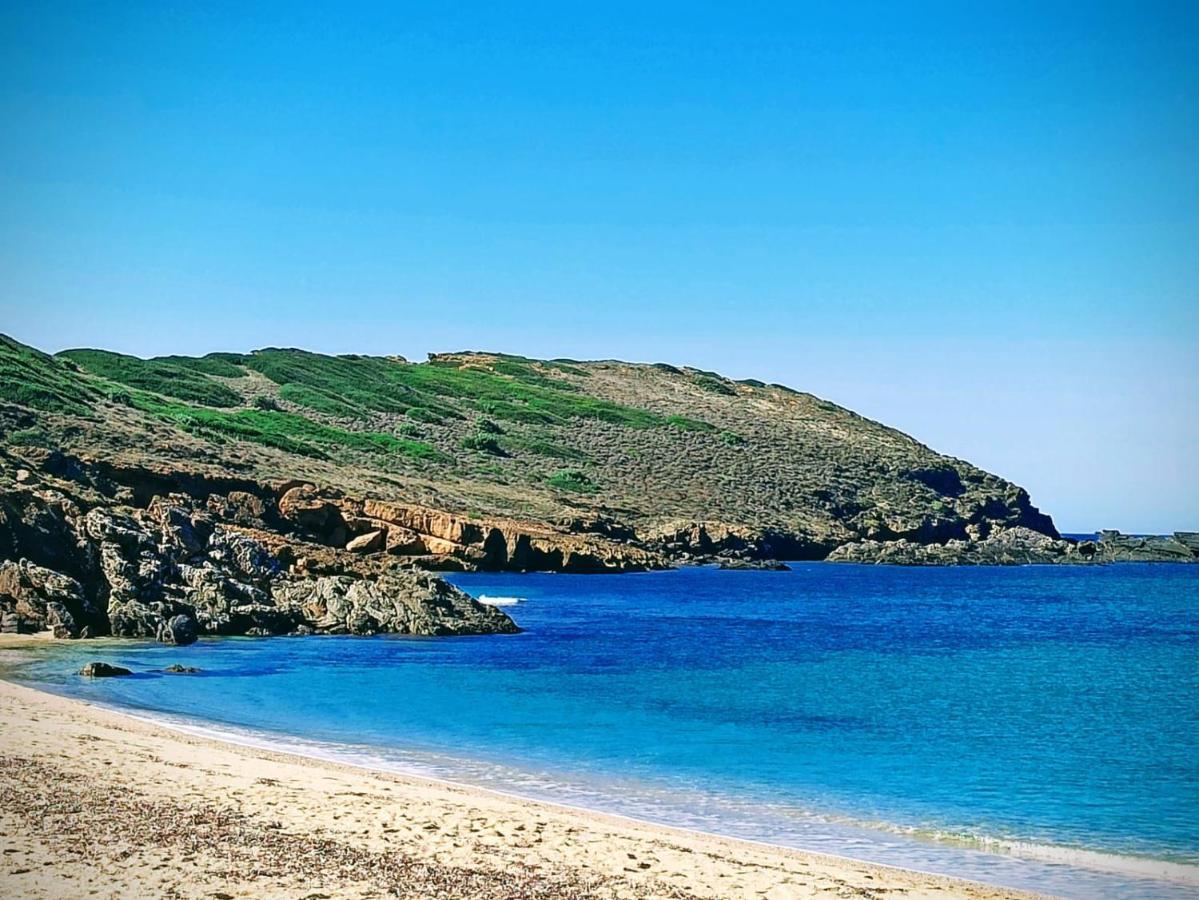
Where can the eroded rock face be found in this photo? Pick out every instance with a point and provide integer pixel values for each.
(495, 543)
(169, 572)
(34, 598)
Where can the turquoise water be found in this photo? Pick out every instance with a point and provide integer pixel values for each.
(1048, 716)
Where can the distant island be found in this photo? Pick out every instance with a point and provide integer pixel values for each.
(288, 492)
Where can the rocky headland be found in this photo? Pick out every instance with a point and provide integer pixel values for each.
(285, 492)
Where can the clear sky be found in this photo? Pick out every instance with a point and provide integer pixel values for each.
(978, 222)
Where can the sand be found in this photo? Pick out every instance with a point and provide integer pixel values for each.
(95, 803)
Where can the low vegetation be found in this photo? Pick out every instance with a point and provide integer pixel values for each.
(573, 480)
(282, 430)
(171, 379)
(31, 378)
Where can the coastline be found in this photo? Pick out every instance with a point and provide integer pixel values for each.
(99, 800)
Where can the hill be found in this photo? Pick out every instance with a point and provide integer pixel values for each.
(653, 453)
(289, 492)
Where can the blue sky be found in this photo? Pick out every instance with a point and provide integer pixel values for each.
(980, 225)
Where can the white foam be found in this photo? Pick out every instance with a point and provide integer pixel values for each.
(500, 601)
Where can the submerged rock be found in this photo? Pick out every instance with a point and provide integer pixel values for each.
(103, 670)
(768, 565)
(177, 669)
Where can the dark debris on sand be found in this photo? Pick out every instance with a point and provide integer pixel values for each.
(85, 820)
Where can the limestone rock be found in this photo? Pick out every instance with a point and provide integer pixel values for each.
(400, 602)
(367, 543)
(311, 511)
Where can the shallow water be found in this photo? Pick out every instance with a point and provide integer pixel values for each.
(1047, 715)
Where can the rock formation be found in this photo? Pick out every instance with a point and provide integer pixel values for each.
(1021, 546)
(175, 568)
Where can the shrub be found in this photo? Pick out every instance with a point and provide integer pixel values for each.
(685, 424)
(573, 480)
(483, 443)
(714, 385)
(732, 439)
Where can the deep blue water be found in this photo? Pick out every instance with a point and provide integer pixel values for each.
(914, 716)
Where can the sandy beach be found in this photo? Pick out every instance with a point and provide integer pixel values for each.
(94, 803)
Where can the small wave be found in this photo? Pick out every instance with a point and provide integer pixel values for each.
(500, 601)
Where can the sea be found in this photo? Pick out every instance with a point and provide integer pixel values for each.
(1034, 727)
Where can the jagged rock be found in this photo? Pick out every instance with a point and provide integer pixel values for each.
(103, 670)
(1116, 547)
(693, 541)
(180, 533)
(404, 541)
(399, 602)
(1188, 539)
(39, 525)
(180, 630)
(497, 543)
(36, 598)
(368, 543)
(1017, 546)
(770, 565)
(306, 508)
(240, 508)
(243, 556)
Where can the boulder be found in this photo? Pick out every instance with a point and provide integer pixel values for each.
(309, 510)
(103, 670)
(367, 543)
(180, 630)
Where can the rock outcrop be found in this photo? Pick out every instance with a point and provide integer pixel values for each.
(1021, 546)
(173, 569)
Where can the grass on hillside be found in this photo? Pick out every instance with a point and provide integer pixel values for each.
(171, 379)
(573, 480)
(282, 430)
(685, 424)
(509, 388)
(223, 365)
(32, 378)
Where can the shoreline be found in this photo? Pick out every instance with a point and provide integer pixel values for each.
(453, 828)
